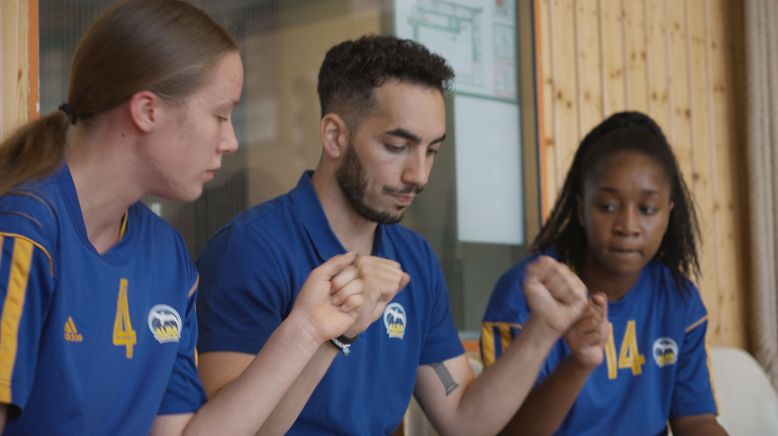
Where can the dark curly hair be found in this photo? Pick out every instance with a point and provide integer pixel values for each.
(352, 69)
(624, 131)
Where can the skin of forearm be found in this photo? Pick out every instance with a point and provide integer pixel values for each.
(493, 398)
(289, 408)
(702, 425)
(547, 405)
(261, 386)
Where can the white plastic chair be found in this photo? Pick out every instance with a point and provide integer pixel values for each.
(748, 403)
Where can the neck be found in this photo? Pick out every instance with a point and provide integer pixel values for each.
(597, 279)
(353, 231)
(103, 177)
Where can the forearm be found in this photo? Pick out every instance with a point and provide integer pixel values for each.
(697, 425)
(493, 398)
(290, 406)
(241, 407)
(547, 405)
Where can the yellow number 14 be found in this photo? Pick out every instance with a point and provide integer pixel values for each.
(629, 355)
(123, 334)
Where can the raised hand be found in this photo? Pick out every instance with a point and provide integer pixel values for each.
(556, 296)
(331, 298)
(382, 279)
(587, 337)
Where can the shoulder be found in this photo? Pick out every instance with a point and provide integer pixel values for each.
(31, 211)
(507, 300)
(682, 296)
(270, 220)
(250, 242)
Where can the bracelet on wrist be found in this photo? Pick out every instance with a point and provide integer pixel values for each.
(343, 344)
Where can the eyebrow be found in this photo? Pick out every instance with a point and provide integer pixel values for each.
(402, 133)
(616, 191)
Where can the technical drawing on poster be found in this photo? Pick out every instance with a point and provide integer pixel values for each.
(477, 37)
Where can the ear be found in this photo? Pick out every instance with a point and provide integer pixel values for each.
(144, 110)
(334, 135)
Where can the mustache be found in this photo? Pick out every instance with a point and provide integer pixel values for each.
(411, 189)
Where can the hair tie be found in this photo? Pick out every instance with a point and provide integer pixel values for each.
(70, 112)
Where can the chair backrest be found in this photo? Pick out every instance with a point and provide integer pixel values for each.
(748, 403)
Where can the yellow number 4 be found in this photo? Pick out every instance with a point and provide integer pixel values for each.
(123, 334)
(629, 355)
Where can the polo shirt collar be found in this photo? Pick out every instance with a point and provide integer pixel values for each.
(310, 212)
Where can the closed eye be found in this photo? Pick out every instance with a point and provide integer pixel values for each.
(394, 148)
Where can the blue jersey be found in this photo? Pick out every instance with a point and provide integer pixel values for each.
(253, 270)
(656, 363)
(92, 344)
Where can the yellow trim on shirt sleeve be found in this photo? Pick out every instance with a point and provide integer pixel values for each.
(697, 323)
(12, 313)
(488, 348)
(36, 244)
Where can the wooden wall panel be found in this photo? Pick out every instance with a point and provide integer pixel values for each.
(565, 101)
(635, 55)
(587, 24)
(679, 128)
(612, 49)
(728, 241)
(18, 63)
(679, 61)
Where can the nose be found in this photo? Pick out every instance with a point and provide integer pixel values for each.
(229, 142)
(417, 168)
(628, 222)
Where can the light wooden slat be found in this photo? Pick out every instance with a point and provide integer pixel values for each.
(635, 46)
(548, 149)
(679, 128)
(589, 65)
(728, 205)
(612, 47)
(702, 166)
(657, 57)
(566, 108)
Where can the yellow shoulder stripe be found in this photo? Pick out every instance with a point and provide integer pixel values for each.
(695, 324)
(488, 340)
(12, 313)
(36, 244)
(194, 287)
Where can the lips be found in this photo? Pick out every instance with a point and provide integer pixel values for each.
(624, 251)
(404, 199)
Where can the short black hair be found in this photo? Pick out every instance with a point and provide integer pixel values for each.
(624, 131)
(352, 69)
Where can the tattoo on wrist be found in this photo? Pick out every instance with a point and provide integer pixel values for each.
(445, 377)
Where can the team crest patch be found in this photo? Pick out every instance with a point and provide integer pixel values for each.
(394, 320)
(665, 351)
(165, 323)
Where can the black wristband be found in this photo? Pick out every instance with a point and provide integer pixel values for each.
(343, 344)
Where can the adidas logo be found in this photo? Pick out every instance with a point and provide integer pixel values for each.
(71, 333)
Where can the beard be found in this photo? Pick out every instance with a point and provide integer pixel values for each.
(352, 180)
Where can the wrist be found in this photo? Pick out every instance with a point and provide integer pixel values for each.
(343, 344)
(305, 333)
(580, 366)
(541, 330)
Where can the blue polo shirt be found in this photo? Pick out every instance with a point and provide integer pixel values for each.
(251, 273)
(656, 362)
(92, 344)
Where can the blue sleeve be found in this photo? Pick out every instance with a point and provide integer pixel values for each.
(441, 340)
(26, 293)
(244, 293)
(184, 392)
(692, 393)
(506, 314)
